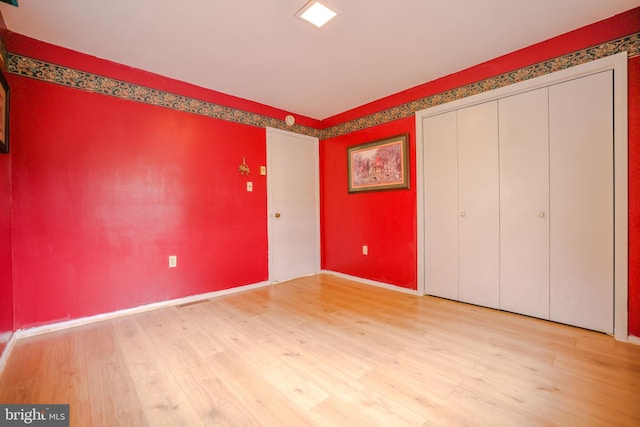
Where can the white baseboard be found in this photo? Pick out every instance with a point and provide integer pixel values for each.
(7, 351)
(38, 330)
(633, 339)
(372, 282)
(630, 339)
(52, 327)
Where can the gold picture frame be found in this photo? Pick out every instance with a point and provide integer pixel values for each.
(379, 165)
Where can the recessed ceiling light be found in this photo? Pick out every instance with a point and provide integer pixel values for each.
(317, 13)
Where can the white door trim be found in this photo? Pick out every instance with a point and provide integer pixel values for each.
(270, 215)
(617, 63)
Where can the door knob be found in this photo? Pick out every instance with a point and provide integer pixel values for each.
(277, 215)
(463, 214)
(541, 214)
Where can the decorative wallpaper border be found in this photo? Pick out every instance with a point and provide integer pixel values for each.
(57, 74)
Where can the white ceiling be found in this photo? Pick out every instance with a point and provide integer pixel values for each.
(258, 50)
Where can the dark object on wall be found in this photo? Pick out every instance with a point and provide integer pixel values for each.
(4, 54)
(379, 165)
(11, 2)
(4, 114)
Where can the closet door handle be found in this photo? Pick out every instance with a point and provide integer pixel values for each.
(541, 214)
(463, 214)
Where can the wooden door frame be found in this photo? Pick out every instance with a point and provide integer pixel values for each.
(270, 132)
(617, 63)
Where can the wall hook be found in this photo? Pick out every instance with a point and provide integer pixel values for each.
(244, 168)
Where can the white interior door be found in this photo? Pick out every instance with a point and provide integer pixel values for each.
(293, 208)
(582, 228)
(440, 142)
(479, 204)
(524, 203)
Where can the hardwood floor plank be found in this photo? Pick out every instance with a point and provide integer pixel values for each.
(19, 393)
(215, 404)
(297, 388)
(531, 391)
(245, 342)
(494, 409)
(112, 394)
(316, 349)
(418, 395)
(28, 360)
(260, 399)
(162, 399)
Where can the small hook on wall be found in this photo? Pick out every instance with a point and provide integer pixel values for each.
(244, 168)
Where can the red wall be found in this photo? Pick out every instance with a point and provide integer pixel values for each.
(6, 288)
(6, 285)
(104, 189)
(386, 221)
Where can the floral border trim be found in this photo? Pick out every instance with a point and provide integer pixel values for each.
(630, 44)
(57, 74)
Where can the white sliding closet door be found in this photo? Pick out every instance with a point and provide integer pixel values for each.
(524, 203)
(478, 193)
(581, 173)
(440, 139)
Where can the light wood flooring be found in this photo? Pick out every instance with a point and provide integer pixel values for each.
(325, 351)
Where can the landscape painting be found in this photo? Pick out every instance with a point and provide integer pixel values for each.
(379, 165)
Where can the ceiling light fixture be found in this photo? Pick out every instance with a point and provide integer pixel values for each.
(316, 12)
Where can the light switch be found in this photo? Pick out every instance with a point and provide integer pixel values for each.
(249, 186)
(263, 170)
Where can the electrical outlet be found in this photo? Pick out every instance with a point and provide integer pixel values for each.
(365, 250)
(249, 186)
(173, 261)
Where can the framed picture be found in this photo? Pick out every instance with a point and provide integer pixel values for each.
(379, 165)
(4, 115)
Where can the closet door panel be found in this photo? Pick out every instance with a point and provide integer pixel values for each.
(581, 218)
(441, 200)
(524, 203)
(478, 193)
